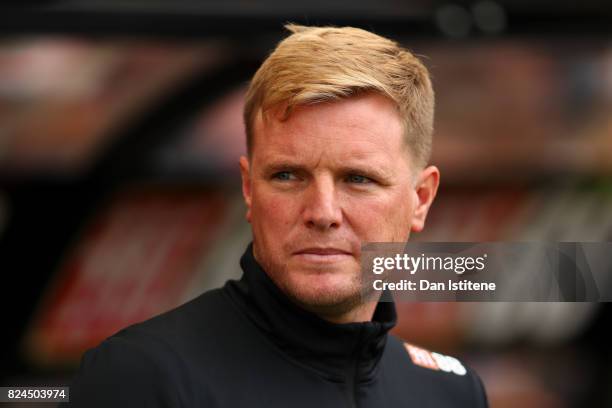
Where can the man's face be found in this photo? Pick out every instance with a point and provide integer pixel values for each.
(319, 184)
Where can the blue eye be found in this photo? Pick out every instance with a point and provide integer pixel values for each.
(284, 176)
(357, 179)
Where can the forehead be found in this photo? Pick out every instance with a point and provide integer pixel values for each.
(360, 127)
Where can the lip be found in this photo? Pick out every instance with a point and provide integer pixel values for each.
(322, 255)
(322, 251)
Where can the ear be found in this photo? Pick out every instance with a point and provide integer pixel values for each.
(245, 173)
(425, 192)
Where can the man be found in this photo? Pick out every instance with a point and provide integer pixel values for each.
(339, 124)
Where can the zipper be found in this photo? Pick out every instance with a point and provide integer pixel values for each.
(351, 382)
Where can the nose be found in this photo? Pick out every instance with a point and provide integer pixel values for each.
(321, 208)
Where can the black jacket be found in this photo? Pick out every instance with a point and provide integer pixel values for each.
(247, 345)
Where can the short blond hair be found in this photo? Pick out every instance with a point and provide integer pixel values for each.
(319, 64)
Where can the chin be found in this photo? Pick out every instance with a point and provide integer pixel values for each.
(322, 287)
(323, 292)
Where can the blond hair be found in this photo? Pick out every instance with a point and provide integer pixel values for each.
(318, 64)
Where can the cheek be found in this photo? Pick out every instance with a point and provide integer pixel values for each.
(272, 212)
(387, 217)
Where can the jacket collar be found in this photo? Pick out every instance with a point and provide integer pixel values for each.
(333, 350)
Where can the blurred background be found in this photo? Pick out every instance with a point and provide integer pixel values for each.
(120, 131)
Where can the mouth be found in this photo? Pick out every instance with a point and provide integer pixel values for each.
(322, 254)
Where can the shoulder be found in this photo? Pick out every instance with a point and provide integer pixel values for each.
(148, 360)
(175, 332)
(122, 372)
(440, 375)
(200, 312)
